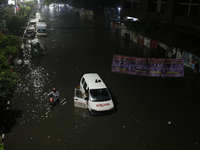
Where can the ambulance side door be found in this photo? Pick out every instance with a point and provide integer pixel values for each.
(78, 100)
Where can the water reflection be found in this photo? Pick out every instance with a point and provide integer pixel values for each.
(29, 91)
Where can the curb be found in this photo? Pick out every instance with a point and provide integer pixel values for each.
(2, 135)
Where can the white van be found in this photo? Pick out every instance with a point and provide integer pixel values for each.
(41, 29)
(93, 95)
(32, 22)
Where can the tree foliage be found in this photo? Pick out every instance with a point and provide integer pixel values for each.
(1, 147)
(87, 4)
(14, 21)
(9, 46)
(8, 82)
(31, 4)
(25, 11)
(47, 2)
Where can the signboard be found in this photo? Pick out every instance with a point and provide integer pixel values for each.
(120, 64)
(186, 58)
(195, 63)
(174, 68)
(148, 66)
(138, 66)
(155, 67)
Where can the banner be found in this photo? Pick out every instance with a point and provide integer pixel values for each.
(138, 66)
(186, 58)
(194, 64)
(120, 64)
(174, 68)
(148, 66)
(191, 61)
(155, 67)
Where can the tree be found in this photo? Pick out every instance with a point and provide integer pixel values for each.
(47, 2)
(30, 3)
(1, 147)
(9, 46)
(25, 11)
(19, 19)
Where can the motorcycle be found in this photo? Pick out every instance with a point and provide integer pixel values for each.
(52, 101)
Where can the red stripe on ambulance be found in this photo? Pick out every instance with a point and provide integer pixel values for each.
(102, 105)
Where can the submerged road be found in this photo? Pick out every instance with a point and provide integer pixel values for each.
(152, 113)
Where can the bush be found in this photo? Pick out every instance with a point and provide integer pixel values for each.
(8, 83)
(1, 147)
(9, 46)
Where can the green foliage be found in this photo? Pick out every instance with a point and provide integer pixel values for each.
(47, 2)
(8, 45)
(9, 41)
(28, 9)
(166, 34)
(24, 11)
(8, 80)
(35, 2)
(6, 17)
(5, 31)
(1, 147)
(8, 83)
(31, 4)
(19, 19)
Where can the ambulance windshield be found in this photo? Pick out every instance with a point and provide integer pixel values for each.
(100, 94)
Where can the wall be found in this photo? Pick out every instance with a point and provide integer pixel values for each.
(168, 17)
(189, 59)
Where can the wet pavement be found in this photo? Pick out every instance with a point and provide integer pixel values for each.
(152, 112)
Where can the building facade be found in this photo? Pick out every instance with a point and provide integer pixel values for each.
(179, 12)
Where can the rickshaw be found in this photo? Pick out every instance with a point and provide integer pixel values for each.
(38, 49)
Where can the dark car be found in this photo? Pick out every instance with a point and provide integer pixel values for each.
(30, 32)
(41, 20)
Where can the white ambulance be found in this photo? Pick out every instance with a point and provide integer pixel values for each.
(93, 95)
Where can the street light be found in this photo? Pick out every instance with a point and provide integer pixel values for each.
(119, 9)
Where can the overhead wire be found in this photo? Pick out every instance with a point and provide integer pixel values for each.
(2, 8)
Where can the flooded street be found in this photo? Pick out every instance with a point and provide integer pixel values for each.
(153, 113)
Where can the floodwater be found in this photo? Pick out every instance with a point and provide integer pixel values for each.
(152, 112)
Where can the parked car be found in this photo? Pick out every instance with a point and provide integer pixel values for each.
(40, 20)
(32, 22)
(29, 32)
